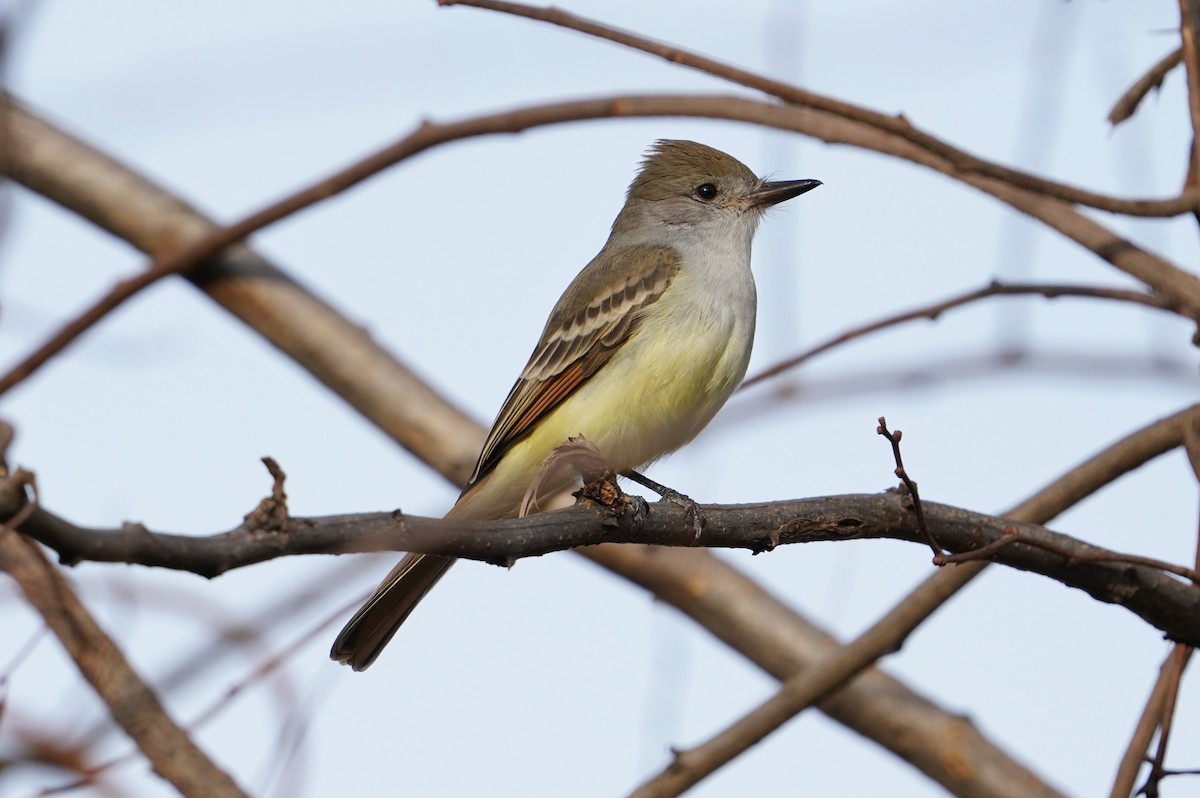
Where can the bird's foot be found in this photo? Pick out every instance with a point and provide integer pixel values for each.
(692, 510)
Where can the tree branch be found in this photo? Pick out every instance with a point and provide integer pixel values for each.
(848, 661)
(1151, 594)
(426, 136)
(339, 353)
(429, 134)
(1128, 103)
(840, 122)
(1189, 29)
(1143, 733)
(132, 703)
(806, 688)
(898, 125)
(934, 311)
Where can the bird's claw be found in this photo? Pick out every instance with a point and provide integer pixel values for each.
(692, 509)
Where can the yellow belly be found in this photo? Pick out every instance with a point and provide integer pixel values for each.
(654, 395)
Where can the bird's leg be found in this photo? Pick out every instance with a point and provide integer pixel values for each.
(691, 509)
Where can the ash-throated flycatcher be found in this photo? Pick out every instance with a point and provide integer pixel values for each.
(640, 352)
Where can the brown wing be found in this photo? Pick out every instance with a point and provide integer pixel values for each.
(574, 347)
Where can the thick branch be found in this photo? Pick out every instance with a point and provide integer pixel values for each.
(1159, 599)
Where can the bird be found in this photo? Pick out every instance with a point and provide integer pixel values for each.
(643, 348)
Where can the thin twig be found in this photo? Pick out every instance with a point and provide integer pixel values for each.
(911, 486)
(1011, 536)
(1128, 103)
(934, 311)
(896, 125)
(836, 121)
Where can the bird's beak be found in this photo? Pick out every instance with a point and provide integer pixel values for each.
(773, 193)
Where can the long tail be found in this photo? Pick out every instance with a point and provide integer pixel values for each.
(378, 619)
(398, 595)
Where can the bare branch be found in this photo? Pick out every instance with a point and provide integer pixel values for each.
(1011, 536)
(1128, 103)
(1157, 598)
(724, 610)
(1159, 712)
(806, 689)
(1135, 753)
(1180, 289)
(1189, 29)
(898, 125)
(836, 121)
(1176, 662)
(808, 686)
(133, 704)
(336, 351)
(426, 136)
(909, 485)
(934, 311)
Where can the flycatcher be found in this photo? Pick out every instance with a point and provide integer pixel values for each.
(640, 352)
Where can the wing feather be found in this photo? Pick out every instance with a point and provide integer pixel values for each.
(573, 348)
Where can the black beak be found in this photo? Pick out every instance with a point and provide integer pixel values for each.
(769, 194)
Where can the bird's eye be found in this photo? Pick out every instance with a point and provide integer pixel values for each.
(706, 191)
